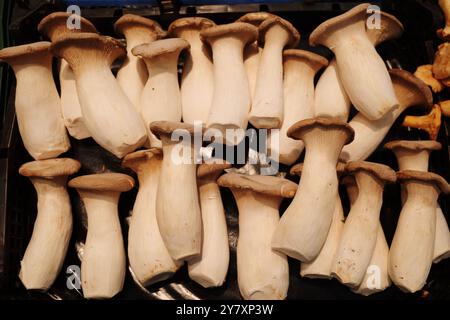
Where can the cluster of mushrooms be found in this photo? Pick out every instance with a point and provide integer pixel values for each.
(233, 74)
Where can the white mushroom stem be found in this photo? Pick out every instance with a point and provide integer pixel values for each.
(361, 70)
(133, 74)
(197, 78)
(47, 248)
(103, 265)
(177, 206)
(262, 273)
(210, 269)
(376, 278)
(330, 98)
(252, 55)
(147, 253)
(370, 133)
(359, 235)
(231, 98)
(37, 103)
(267, 103)
(418, 160)
(412, 247)
(160, 99)
(320, 267)
(90, 56)
(71, 110)
(304, 226)
(300, 67)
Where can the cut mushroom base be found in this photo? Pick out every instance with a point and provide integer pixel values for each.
(231, 98)
(411, 253)
(262, 272)
(210, 268)
(197, 77)
(37, 104)
(414, 155)
(361, 70)
(177, 204)
(54, 26)
(90, 57)
(331, 100)
(304, 226)
(160, 99)
(103, 265)
(148, 256)
(410, 92)
(320, 267)
(45, 253)
(359, 236)
(267, 103)
(300, 68)
(133, 74)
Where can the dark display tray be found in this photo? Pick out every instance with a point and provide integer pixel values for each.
(18, 199)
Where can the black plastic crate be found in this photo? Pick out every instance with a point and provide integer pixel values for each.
(17, 197)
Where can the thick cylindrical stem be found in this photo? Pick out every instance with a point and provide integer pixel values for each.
(252, 55)
(160, 99)
(148, 255)
(210, 269)
(330, 98)
(412, 247)
(38, 109)
(362, 71)
(122, 130)
(376, 278)
(321, 266)
(177, 207)
(262, 272)
(133, 74)
(47, 248)
(442, 240)
(231, 98)
(103, 265)
(368, 134)
(359, 235)
(298, 105)
(304, 226)
(267, 104)
(197, 81)
(70, 104)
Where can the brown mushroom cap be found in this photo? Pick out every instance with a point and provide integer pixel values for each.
(410, 90)
(256, 18)
(294, 35)
(413, 145)
(55, 25)
(245, 31)
(316, 61)
(298, 168)
(211, 170)
(198, 23)
(132, 160)
(269, 185)
(380, 171)
(298, 128)
(391, 28)
(160, 47)
(441, 65)
(111, 47)
(426, 177)
(50, 168)
(132, 20)
(9, 53)
(103, 182)
(160, 128)
(319, 35)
